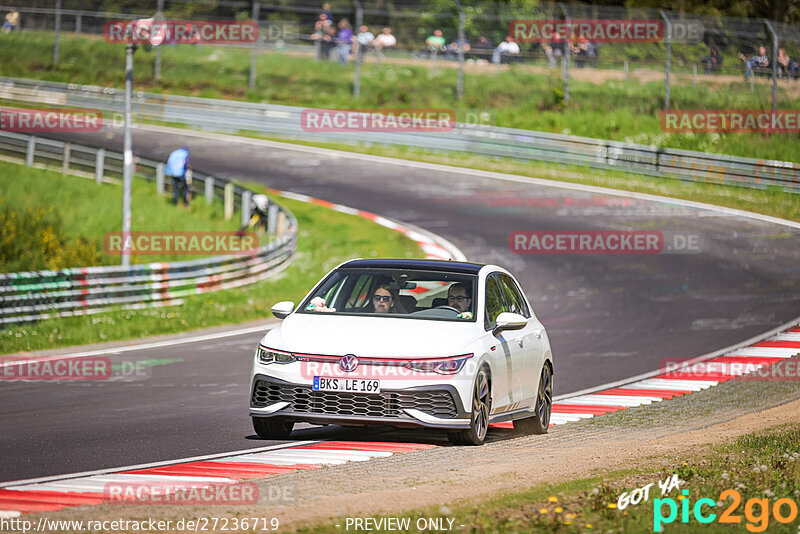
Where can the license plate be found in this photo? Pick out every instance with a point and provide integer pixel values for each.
(347, 385)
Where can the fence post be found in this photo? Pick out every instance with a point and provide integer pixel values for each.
(99, 165)
(78, 24)
(462, 21)
(566, 53)
(774, 67)
(625, 66)
(31, 150)
(272, 219)
(160, 179)
(359, 52)
(157, 63)
(669, 57)
(65, 160)
(209, 190)
(255, 50)
(694, 75)
(57, 32)
(228, 201)
(246, 203)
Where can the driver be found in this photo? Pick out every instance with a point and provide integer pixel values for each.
(459, 296)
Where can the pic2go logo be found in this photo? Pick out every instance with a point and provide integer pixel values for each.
(758, 520)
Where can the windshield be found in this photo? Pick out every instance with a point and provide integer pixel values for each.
(395, 292)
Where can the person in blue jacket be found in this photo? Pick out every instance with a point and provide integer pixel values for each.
(177, 167)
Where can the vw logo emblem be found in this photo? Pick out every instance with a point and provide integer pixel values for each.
(348, 363)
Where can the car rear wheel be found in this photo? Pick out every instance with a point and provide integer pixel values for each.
(539, 423)
(271, 428)
(479, 419)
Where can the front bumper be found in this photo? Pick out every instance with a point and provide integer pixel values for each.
(436, 406)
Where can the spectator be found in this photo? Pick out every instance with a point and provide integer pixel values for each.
(12, 20)
(436, 42)
(482, 49)
(453, 48)
(364, 40)
(328, 42)
(178, 167)
(504, 50)
(555, 49)
(344, 40)
(713, 61)
(786, 66)
(326, 10)
(759, 61)
(385, 40)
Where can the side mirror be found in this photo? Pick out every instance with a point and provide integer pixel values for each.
(509, 321)
(282, 309)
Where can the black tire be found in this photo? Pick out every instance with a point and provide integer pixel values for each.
(479, 416)
(544, 407)
(271, 428)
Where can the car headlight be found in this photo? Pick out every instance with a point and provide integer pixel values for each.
(266, 356)
(445, 366)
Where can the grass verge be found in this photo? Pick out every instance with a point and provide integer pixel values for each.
(762, 468)
(55, 221)
(617, 110)
(326, 238)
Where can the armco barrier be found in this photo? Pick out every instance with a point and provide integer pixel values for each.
(32, 296)
(284, 121)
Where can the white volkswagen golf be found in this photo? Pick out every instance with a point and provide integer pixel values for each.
(441, 344)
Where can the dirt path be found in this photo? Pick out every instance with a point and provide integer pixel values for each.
(660, 435)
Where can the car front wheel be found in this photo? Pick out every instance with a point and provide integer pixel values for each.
(479, 419)
(271, 428)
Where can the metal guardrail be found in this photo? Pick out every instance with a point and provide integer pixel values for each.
(37, 295)
(284, 121)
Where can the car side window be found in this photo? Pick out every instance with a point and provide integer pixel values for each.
(495, 303)
(516, 302)
(360, 293)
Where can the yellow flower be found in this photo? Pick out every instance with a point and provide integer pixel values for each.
(612, 505)
(681, 497)
(558, 510)
(542, 510)
(685, 463)
(567, 522)
(552, 499)
(570, 516)
(588, 525)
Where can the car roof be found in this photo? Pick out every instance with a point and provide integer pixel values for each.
(462, 267)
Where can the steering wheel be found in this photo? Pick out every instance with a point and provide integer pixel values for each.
(446, 307)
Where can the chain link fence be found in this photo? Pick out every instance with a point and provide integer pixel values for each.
(712, 54)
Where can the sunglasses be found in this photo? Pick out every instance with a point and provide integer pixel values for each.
(382, 298)
(457, 299)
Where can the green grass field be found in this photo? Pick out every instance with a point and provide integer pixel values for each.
(616, 110)
(53, 221)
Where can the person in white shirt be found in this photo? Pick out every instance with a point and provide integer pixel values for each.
(383, 41)
(506, 47)
(364, 39)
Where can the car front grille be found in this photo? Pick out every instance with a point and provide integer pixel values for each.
(390, 404)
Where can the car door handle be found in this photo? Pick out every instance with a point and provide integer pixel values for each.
(538, 334)
(521, 343)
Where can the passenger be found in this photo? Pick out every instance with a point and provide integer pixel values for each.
(459, 296)
(384, 300)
